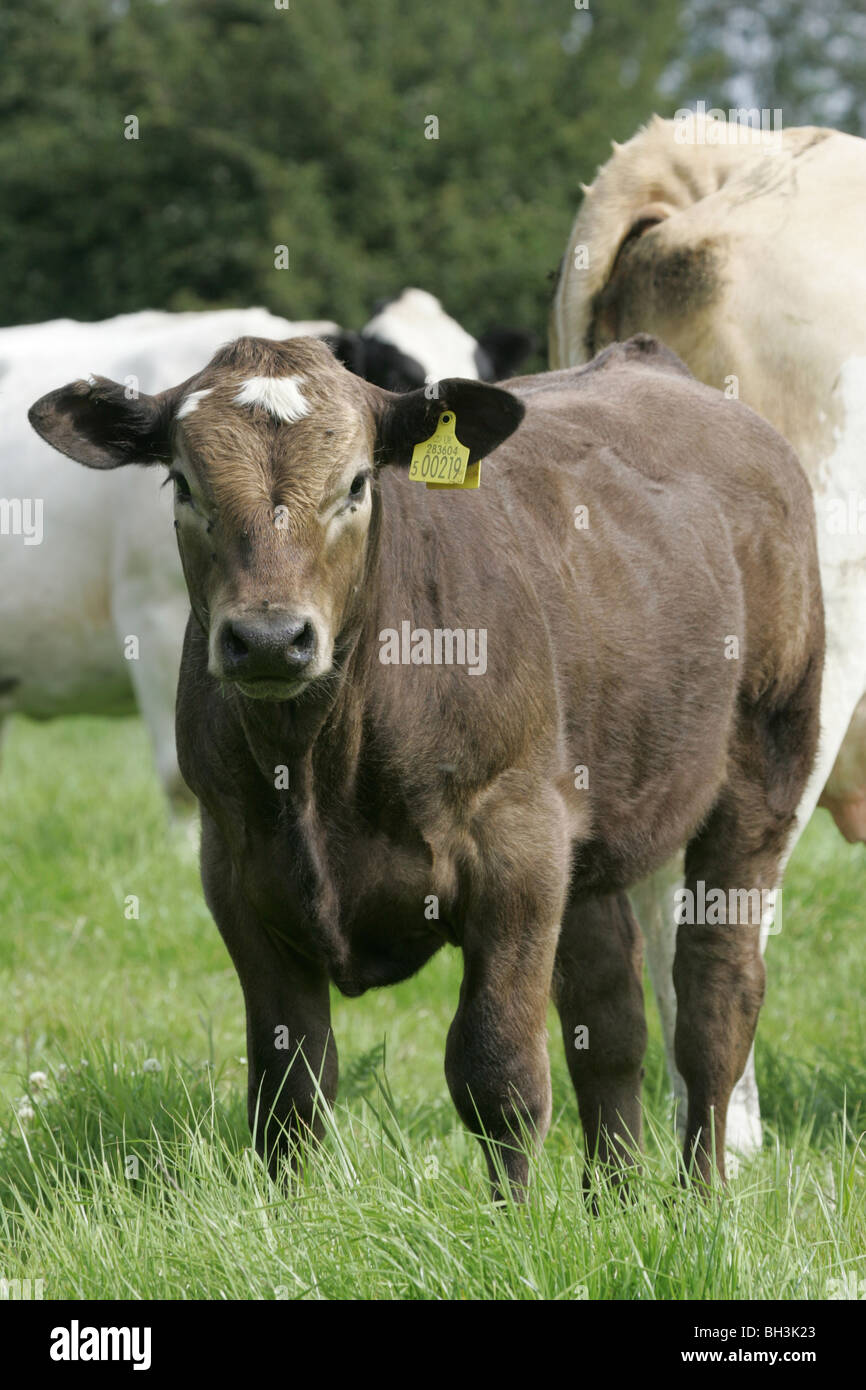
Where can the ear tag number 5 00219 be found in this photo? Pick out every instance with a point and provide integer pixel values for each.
(441, 460)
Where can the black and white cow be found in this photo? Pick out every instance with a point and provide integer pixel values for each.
(410, 339)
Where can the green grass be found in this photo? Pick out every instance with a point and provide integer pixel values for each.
(120, 1180)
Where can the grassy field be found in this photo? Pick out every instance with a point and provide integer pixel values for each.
(125, 1167)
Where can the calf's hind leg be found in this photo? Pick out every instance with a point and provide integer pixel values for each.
(598, 991)
(718, 966)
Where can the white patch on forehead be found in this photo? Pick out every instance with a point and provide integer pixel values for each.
(190, 402)
(281, 395)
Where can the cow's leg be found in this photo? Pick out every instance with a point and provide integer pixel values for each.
(654, 905)
(744, 1134)
(291, 1052)
(598, 990)
(719, 980)
(739, 850)
(653, 902)
(496, 1060)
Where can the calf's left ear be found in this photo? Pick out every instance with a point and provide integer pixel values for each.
(98, 424)
(484, 416)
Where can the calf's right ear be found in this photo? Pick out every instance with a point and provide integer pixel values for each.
(98, 423)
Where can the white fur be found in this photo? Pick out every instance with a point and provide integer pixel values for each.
(108, 565)
(190, 402)
(416, 324)
(281, 395)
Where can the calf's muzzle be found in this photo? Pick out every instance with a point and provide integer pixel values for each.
(267, 647)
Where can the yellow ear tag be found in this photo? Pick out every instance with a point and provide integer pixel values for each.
(441, 460)
(472, 479)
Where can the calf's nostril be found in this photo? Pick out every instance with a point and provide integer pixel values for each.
(304, 640)
(272, 649)
(235, 649)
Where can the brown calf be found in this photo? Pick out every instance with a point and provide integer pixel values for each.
(638, 569)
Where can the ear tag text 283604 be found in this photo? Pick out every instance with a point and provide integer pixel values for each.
(441, 460)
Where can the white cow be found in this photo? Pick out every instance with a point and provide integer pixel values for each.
(99, 566)
(747, 259)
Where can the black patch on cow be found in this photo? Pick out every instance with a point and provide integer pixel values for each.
(376, 361)
(680, 280)
(347, 348)
(500, 352)
(650, 282)
(385, 365)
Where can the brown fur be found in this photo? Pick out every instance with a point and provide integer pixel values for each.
(251, 471)
(606, 648)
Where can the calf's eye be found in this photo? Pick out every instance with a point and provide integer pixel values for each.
(359, 482)
(181, 487)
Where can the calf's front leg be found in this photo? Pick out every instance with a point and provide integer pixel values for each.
(291, 1052)
(496, 1060)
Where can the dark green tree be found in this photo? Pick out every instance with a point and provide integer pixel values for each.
(309, 127)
